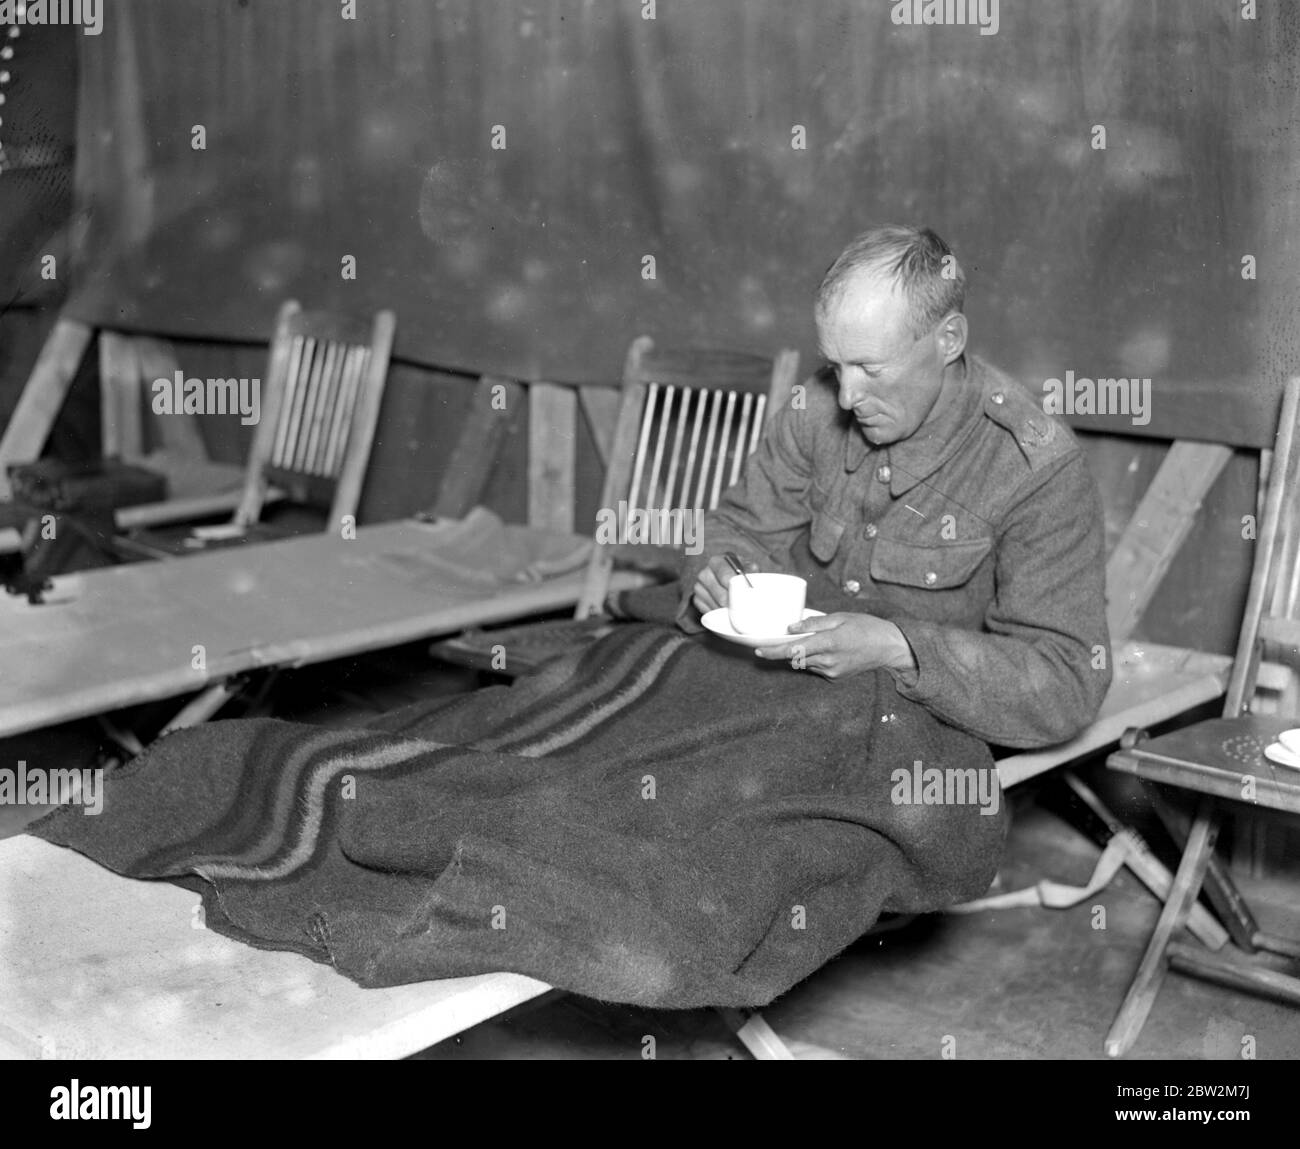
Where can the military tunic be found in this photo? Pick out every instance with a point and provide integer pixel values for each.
(980, 537)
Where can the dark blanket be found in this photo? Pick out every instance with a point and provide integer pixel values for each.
(659, 819)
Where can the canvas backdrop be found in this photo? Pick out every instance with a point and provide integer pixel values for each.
(677, 138)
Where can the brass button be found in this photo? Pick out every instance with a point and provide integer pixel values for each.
(870, 531)
(883, 473)
(852, 586)
(931, 578)
(997, 396)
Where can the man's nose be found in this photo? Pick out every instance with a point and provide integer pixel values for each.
(852, 387)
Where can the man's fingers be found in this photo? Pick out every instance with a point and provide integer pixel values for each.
(819, 623)
(719, 573)
(823, 664)
(709, 593)
(704, 601)
(803, 648)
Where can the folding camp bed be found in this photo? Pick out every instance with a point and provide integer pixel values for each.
(119, 636)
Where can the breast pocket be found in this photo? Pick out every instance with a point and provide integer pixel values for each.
(927, 567)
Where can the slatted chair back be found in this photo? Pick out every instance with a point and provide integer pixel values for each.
(320, 406)
(687, 422)
(1271, 625)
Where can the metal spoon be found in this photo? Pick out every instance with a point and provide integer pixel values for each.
(734, 561)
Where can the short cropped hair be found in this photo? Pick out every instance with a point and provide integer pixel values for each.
(915, 258)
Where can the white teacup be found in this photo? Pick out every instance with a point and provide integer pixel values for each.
(769, 606)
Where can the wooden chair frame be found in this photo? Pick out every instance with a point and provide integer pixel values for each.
(652, 380)
(320, 411)
(685, 421)
(324, 385)
(1269, 621)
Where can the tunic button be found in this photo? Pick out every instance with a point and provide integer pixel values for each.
(997, 396)
(852, 586)
(931, 578)
(883, 473)
(870, 530)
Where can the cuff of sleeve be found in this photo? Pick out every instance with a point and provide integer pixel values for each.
(688, 618)
(920, 684)
(690, 571)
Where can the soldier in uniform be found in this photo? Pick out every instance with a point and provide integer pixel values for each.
(947, 524)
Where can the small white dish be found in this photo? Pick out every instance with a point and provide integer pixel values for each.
(1291, 740)
(1276, 752)
(719, 622)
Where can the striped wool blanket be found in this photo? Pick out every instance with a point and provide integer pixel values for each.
(658, 819)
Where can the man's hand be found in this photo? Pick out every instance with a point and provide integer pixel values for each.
(711, 585)
(844, 644)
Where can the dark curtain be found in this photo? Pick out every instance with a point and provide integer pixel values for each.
(38, 85)
(674, 138)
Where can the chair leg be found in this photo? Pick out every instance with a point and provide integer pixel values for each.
(756, 1035)
(203, 707)
(1187, 884)
(1220, 889)
(125, 739)
(1145, 865)
(1229, 970)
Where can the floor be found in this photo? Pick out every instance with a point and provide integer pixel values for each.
(1011, 984)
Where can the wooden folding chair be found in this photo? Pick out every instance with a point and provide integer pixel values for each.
(1222, 761)
(687, 421)
(320, 406)
(198, 488)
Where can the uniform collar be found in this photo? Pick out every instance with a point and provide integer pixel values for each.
(916, 458)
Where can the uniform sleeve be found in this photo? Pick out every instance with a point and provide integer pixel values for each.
(1040, 673)
(762, 514)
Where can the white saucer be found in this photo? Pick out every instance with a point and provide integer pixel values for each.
(1290, 739)
(719, 622)
(1276, 752)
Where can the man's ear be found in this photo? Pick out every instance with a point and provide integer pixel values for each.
(952, 337)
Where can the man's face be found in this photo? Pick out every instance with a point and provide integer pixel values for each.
(888, 380)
